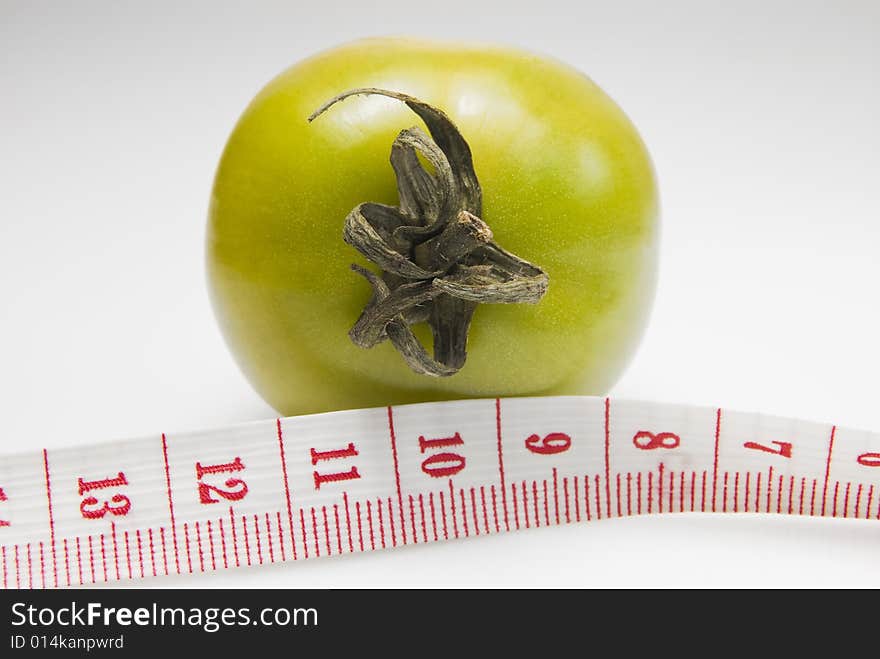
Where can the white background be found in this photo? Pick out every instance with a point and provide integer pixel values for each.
(762, 121)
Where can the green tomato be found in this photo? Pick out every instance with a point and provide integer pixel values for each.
(567, 184)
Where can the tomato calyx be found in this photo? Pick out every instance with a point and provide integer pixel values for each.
(439, 260)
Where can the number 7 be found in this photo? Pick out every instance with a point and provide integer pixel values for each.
(784, 448)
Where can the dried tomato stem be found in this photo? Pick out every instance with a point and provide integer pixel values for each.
(438, 258)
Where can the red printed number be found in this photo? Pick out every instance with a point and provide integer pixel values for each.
(118, 504)
(784, 448)
(3, 497)
(348, 452)
(869, 459)
(555, 442)
(237, 488)
(443, 464)
(648, 441)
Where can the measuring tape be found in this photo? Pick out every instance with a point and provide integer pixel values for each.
(354, 481)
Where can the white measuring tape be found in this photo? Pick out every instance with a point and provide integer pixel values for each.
(354, 481)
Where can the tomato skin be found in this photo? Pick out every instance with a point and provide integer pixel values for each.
(567, 184)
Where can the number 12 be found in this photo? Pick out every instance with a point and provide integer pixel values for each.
(231, 494)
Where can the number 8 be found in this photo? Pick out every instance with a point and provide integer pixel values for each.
(660, 440)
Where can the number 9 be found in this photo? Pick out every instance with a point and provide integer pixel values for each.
(555, 442)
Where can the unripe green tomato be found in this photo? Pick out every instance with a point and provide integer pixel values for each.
(567, 185)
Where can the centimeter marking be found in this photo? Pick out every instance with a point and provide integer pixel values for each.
(355, 481)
